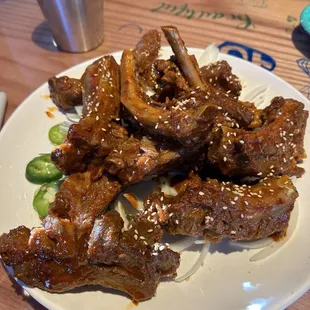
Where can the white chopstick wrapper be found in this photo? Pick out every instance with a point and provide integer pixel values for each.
(3, 103)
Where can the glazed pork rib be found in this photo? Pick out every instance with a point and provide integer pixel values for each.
(138, 159)
(273, 149)
(97, 133)
(216, 210)
(220, 76)
(190, 73)
(114, 258)
(189, 119)
(145, 53)
(83, 196)
(65, 92)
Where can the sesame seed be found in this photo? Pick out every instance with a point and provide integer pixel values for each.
(136, 231)
(224, 208)
(233, 232)
(201, 193)
(136, 237)
(260, 173)
(241, 141)
(232, 202)
(150, 230)
(177, 222)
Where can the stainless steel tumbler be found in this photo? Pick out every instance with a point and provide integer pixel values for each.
(76, 25)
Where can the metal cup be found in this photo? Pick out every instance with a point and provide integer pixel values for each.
(77, 25)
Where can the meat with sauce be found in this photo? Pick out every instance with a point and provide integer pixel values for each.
(217, 210)
(114, 258)
(274, 149)
(98, 132)
(65, 92)
(220, 76)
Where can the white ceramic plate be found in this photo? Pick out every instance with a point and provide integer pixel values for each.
(228, 280)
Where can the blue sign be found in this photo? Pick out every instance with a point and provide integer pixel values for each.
(248, 53)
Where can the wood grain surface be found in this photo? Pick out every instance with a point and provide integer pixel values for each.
(28, 56)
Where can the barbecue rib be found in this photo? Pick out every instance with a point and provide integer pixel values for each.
(114, 259)
(189, 119)
(137, 159)
(65, 92)
(97, 133)
(218, 210)
(83, 196)
(220, 76)
(273, 149)
(146, 52)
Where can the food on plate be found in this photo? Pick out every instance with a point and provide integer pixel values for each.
(220, 76)
(54, 259)
(65, 92)
(137, 159)
(217, 210)
(98, 132)
(273, 149)
(143, 119)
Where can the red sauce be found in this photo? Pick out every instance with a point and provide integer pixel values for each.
(49, 114)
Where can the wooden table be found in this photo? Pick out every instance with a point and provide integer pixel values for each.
(28, 57)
